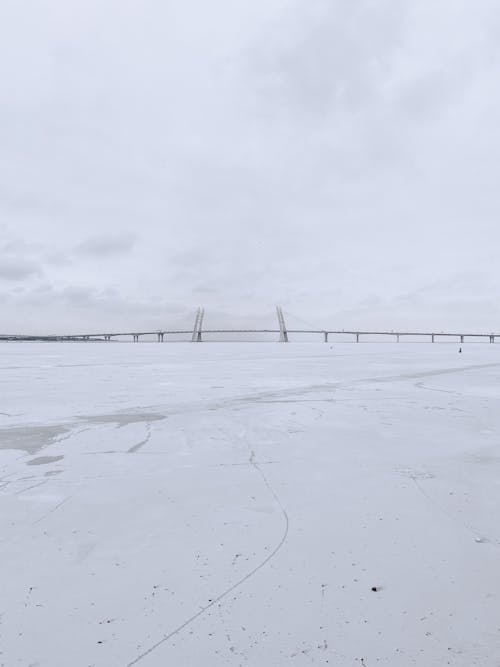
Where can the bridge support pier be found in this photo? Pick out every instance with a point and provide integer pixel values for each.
(397, 337)
(135, 337)
(357, 338)
(492, 339)
(160, 335)
(325, 334)
(461, 339)
(432, 338)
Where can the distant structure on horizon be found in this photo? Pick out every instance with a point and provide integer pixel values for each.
(197, 333)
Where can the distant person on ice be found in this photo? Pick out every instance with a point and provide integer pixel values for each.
(459, 350)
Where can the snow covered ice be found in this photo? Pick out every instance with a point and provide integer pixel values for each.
(236, 504)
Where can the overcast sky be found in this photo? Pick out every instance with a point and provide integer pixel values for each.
(338, 157)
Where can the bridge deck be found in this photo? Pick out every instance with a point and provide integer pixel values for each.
(166, 332)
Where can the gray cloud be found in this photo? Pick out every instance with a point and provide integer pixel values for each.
(18, 269)
(331, 56)
(107, 245)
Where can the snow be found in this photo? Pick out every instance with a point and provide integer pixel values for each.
(235, 504)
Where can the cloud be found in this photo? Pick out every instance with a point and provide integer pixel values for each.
(18, 268)
(329, 56)
(107, 245)
(81, 309)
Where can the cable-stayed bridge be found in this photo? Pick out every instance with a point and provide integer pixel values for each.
(284, 334)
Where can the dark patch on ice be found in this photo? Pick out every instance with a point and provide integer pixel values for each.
(31, 438)
(141, 444)
(42, 460)
(122, 418)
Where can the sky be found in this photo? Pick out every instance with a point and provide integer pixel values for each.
(337, 157)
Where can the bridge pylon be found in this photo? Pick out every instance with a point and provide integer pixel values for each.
(198, 323)
(282, 325)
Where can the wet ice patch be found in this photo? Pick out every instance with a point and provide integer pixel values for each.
(122, 418)
(31, 439)
(43, 460)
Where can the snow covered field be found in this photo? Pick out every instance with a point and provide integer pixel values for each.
(204, 505)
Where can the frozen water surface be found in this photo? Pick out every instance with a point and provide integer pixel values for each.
(249, 504)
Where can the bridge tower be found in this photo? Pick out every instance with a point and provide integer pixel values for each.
(282, 325)
(197, 329)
